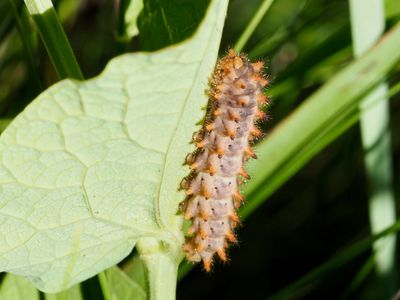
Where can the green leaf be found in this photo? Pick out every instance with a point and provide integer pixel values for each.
(165, 22)
(90, 168)
(73, 292)
(122, 287)
(17, 288)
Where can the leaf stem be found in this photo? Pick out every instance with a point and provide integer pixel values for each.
(253, 25)
(161, 269)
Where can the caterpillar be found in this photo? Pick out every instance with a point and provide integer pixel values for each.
(223, 145)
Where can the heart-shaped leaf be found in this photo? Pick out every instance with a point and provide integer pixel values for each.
(90, 168)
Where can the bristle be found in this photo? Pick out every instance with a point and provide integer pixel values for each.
(191, 230)
(250, 152)
(189, 192)
(235, 106)
(222, 255)
(206, 193)
(243, 173)
(234, 217)
(210, 126)
(194, 166)
(207, 264)
(233, 116)
(255, 132)
(203, 214)
(217, 112)
(238, 62)
(220, 151)
(240, 84)
(201, 144)
(211, 170)
(242, 101)
(260, 114)
(217, 96)
(231, 237)
(258, 66)
(261, 99)
(230, 133)
(237, 196)
(203, 234)
(188, 215)
(261, 80)
(199, 247)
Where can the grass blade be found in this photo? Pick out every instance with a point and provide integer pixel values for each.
(54, 38)
(367, 23)
(334, 263)
(23, 27)
(253, 25)
(360, 277)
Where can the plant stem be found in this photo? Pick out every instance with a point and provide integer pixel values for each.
(161, 274)
(104, 285)
(367, 23)
(253, 25)
(161, 269)
(54, 38)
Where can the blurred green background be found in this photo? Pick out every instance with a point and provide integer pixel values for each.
(321, 210)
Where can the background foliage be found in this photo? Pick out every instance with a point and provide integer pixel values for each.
(319, 212)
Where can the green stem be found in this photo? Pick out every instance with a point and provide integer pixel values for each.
(104, 286)
(161, 268)
(54, 38)
(253, 25)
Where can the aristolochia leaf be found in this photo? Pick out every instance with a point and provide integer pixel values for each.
(90, 168)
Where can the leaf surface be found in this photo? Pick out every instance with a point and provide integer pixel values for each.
(90, 168)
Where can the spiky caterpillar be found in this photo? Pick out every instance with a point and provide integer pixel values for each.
(223, 144)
